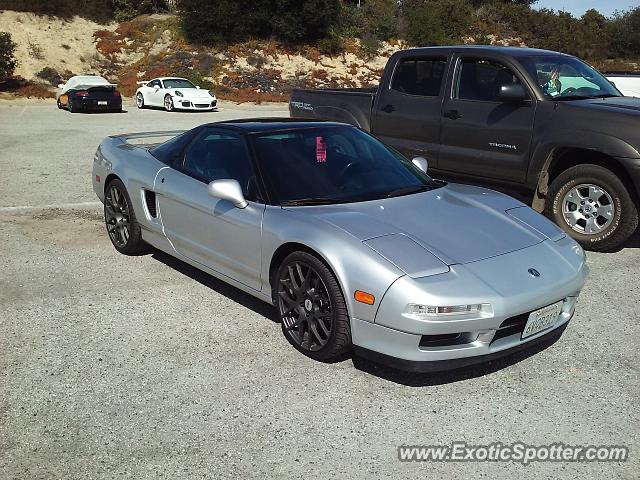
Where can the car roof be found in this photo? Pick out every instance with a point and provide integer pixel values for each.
(170, 78)
(511, 51)
(255, 125)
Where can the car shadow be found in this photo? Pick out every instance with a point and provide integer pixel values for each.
(229, 291)
(412, 379)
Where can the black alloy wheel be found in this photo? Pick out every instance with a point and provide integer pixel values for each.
(312, 309)
(122, 226)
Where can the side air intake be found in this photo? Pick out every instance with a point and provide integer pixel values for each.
(150, 200)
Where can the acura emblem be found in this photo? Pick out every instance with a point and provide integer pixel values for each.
(533, 272)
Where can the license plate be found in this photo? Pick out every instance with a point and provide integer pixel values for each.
(542, 319)
(103, 102)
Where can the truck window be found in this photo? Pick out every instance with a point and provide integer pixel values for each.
(479, 79)
(419, 76)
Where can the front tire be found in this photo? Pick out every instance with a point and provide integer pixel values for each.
(168, 103)
(592, 204)
(312, 308)
(120, 219)
(140, 100)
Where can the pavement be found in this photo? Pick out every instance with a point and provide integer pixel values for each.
(145, 368)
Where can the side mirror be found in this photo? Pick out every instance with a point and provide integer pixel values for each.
(421, 163)
(228, 189)
(511, 93)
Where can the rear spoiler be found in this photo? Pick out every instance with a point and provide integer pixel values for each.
(145, 139)
(143, 82)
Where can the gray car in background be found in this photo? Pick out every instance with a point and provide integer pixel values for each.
(355, 245)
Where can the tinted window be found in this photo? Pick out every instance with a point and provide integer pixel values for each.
(169, 151)
(334, 164)
(154, 83)
(481, 79)
(218, 154)
(420, 76)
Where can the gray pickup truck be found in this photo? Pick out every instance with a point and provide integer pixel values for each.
(540, 121)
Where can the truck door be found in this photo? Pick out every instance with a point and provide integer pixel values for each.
(482, 136)
(408, 107)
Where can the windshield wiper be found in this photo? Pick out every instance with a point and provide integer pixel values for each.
(407, 190)
(313, 201)
(574, 97)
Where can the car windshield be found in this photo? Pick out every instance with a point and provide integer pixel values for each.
(567, 78)
(325, 165)
(178, 83)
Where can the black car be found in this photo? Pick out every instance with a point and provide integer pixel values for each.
(543, 122)
(89, 93)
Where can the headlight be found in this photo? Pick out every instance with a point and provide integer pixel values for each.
(431, 311)
(179, 93)
(212, 94)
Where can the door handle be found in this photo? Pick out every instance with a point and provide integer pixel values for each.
(388, 108)
(453, 114)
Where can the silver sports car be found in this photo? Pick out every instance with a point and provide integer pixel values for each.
(357, 247)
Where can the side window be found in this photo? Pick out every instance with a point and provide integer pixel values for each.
(154, 83)
(168, 151)
(419, 76)
(217, 154)
(479, 79)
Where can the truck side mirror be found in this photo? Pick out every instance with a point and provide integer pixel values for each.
(511, 93)
(421, 163)
(228, 189)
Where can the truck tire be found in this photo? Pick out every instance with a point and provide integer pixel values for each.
(592, 204)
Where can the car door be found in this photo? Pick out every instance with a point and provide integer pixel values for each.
(210, 231)
(407, 113)
(482, 136)
(153, 93)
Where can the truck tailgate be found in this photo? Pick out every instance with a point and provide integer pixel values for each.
(348, 105)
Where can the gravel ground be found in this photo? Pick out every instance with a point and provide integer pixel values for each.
(119, 367)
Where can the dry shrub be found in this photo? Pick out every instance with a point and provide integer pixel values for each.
(107, 43)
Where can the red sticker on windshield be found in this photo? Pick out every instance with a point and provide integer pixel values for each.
(321, 150)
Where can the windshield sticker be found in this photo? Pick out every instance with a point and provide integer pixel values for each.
(321, 150)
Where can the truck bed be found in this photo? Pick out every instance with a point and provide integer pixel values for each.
(348, 105)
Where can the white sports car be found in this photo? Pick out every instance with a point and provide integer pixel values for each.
(174, 94)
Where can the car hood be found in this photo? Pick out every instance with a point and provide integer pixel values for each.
(457, 224)
(192, 92)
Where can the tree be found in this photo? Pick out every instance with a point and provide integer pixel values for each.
(8, 62)
(625, 33)
(436, 22)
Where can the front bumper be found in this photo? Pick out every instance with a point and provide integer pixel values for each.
(442, 365)
(202, 104)
(437, 343)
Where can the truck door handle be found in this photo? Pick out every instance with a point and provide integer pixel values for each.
(388, 108)
(453, 114)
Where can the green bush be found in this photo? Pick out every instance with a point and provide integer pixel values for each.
(297, 21)
(8, 62)
(293, 21)
(437, 22)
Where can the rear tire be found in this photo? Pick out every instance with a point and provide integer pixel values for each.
(140, 101)
(592, 204)
(312, 308)
(59, 104)
(120, 219)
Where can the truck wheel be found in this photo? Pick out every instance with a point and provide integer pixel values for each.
(592, 204)
(312, 308)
